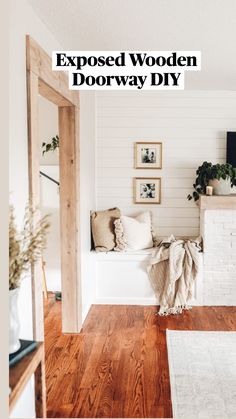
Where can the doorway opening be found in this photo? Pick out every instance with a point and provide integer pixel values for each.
(50, 194)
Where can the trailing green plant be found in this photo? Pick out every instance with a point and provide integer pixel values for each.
(25, 246)
(208, 171)
(51, 146)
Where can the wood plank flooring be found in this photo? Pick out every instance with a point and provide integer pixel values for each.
(117, 367)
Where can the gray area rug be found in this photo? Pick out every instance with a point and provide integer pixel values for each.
(203, 374)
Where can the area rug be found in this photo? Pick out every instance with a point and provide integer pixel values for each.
(202, 369)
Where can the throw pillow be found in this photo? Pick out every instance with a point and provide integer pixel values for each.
(134, 233)
(103, 229)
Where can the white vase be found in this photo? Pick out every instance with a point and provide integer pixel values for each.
(14, 329)
(221, 186)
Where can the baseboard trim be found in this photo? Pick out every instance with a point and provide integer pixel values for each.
(127, 301)
(136, 301)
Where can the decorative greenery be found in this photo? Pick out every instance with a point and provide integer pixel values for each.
(26, 246)
(52, 146)
(208, 171)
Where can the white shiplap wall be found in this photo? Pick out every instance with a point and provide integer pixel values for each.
(191, 125)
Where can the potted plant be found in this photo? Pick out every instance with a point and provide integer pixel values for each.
(221, 176)
(51, 146)
(25, 248)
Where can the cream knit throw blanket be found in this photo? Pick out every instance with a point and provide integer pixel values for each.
(173, 268)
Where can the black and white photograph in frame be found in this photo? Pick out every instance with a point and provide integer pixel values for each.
(148, 155)
(147, 190)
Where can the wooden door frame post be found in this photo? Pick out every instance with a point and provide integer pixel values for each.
(54, 87)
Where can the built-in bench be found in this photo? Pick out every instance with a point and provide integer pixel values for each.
(121, 278)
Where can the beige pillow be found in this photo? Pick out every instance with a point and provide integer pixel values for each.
(134, 233)
(103, 229)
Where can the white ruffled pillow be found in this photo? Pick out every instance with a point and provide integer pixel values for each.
(134, 233)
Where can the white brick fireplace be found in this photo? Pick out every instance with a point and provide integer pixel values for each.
(218, 230)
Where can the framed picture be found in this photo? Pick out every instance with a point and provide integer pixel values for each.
(148, 155)
(147, 190)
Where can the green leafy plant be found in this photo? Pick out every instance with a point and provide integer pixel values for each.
(26, 246)
(208, 171)
(51, 146)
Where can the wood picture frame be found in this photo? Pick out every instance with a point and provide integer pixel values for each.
(147, 190)
(148, 155)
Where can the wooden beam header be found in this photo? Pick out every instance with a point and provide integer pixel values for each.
(39, 62)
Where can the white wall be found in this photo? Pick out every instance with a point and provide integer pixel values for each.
(4, 209)
(191, 125)
(23, 21)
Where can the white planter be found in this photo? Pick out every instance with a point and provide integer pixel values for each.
(14, 327)
(221, 186)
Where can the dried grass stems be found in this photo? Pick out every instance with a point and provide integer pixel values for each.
(26, 246)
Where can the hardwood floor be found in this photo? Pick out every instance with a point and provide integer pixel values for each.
(117, 367)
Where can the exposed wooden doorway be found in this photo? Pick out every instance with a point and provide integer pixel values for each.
(54, 87)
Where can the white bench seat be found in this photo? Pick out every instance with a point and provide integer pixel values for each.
(130, 254)
(121, 278)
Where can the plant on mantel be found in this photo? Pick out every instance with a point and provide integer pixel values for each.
(207, 172)
(51, 146)
(26, 246)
